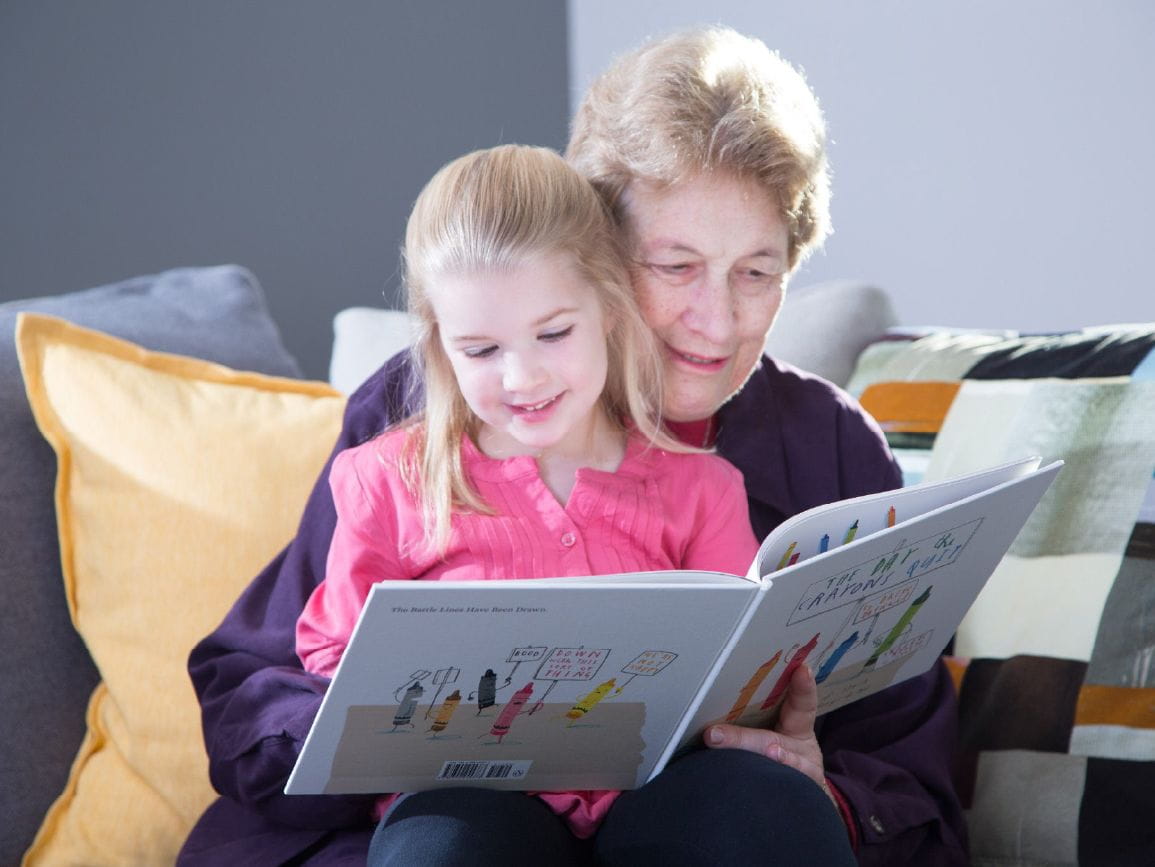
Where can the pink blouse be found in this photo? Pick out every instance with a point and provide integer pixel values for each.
(659, 510)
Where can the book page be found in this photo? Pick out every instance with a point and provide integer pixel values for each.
(831, 526)
(870, 613)
(539, 685)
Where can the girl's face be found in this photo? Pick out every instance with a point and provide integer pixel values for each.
(528, 347)
(710, 259)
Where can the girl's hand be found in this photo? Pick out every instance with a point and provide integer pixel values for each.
(792, 740)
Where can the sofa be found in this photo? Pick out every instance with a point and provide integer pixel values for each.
(159, 442)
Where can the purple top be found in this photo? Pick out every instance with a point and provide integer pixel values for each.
(799, 442)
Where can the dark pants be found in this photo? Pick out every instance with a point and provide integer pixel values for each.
(711, 807)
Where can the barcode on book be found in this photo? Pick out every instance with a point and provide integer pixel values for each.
(484, 770)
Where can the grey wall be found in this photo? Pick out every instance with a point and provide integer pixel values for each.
(289, 136)
(992, 160)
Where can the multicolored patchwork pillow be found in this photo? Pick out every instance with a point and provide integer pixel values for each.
(1056, 660)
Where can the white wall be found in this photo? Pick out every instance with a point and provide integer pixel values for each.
(994, 162)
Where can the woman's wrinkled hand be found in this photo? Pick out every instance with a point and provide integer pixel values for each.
(791, 741)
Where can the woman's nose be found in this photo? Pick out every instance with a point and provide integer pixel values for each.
(710, 309)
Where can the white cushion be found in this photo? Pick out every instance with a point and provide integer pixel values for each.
(364, 338)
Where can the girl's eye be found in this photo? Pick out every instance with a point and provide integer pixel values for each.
(554, 336)
(479, 351)
(672, 269)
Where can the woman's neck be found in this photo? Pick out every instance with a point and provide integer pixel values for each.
(700, 433)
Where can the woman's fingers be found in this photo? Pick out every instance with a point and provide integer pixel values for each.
(792, 741)
(799, 706)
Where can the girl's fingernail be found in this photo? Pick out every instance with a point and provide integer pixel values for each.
(713, 736)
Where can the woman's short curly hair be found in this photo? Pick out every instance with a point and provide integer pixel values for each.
(708, 99)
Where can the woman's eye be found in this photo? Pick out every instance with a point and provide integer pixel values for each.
(554, 336)
(674, 272)
(756, 281)
(479, 351)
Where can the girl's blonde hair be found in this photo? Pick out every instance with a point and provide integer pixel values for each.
(489, 211)
(708, 99)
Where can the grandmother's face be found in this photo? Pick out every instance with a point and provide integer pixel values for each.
(709, 270)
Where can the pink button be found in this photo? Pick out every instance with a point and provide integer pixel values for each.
(568, 540)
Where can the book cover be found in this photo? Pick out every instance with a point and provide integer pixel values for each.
(596, 682)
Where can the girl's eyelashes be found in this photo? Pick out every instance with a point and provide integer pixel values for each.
(559, 334)
(488, 349)
(479, 351)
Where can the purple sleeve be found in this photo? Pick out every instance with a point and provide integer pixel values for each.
(257, 703)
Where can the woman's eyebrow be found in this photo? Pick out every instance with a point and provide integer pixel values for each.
(669, 244)
(672, 246)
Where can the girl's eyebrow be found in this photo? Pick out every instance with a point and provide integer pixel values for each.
(559, 312)
(465, 338)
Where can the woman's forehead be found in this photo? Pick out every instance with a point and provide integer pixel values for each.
(704, 214)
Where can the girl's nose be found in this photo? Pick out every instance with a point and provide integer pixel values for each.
(522, 372)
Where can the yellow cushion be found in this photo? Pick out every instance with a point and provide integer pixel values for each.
(178, 480)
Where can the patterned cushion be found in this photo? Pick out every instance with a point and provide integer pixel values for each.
(1054, 661)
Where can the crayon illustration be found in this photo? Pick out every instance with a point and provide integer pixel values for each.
(870, 628)
(445, 712)
(522, 654)
(794, 558)
(648, 663)
(751, 687)
(540, 703)
(890, 517)
(504, 720)
(404, 715)
(899, 628)
(851, 533)
(587, 702)
(824, 543)
(831, 663)
(786, 556)
(569, 663)
(487, 690)
(441, 677)
(784, 678)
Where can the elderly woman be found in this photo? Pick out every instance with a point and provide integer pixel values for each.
(710, 150)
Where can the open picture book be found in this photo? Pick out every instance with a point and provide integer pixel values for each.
(596, 682)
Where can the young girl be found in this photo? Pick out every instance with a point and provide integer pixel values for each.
(539, 451)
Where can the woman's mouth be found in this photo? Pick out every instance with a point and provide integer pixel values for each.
(703, 363)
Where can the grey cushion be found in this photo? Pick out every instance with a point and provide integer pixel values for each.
(823, 327)
(213, 313)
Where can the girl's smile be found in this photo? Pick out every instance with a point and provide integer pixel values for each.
(527, 345)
